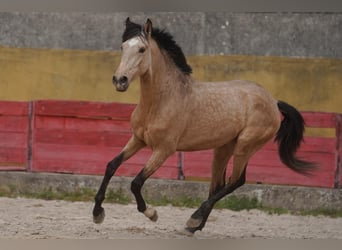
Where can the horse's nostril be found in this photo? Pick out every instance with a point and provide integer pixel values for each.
(114, 80)
(123, 80)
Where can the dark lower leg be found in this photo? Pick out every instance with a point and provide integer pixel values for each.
(219, 167)
(200, 216)
(218, 186)
(136, 186)
(112, 166)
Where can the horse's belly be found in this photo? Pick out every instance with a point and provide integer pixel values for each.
(206, 139)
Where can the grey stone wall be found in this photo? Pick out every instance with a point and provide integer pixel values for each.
(201, 33)
(288, 197)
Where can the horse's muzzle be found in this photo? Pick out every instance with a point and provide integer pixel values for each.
(121, 84)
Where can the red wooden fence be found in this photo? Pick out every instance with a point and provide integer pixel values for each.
(81, 137)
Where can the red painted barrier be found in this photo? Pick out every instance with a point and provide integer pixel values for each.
(265, 165)
(14, 135)
(81, 137)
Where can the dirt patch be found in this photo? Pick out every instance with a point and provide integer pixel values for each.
(40, 219)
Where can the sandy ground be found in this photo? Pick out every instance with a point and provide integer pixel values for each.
(39, 219)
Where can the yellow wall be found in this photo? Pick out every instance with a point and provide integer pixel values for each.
(29, 74)
(307, 83)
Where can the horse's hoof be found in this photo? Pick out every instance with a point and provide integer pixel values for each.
(151, 213)
(185, 232)
(191, 230)
(193, 223)
(99, 218)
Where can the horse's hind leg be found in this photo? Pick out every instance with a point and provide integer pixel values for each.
(242, 153)
(219, 166)
(199, 217)
(248, 142)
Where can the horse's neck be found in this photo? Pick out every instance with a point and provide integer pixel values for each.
(162, 84)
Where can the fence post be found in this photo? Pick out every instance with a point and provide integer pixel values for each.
(30, 135)
(338, 177)
(180, 166)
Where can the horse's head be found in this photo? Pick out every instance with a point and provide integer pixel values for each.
(136, 55)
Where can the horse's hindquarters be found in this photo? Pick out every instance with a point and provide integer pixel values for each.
(217, 113)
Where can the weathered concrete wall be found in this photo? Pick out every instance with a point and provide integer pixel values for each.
(69, 55)
(198, 33)
(293, 198)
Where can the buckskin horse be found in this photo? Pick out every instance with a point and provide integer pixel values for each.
(178, 113)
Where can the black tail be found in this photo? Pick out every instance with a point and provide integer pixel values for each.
(289, 137)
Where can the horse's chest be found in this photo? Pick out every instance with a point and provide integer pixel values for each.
(142, 130)
(154, 128)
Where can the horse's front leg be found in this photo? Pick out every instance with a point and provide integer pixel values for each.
(156, 160)
(133, 146)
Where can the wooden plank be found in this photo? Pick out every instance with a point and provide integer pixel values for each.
(164, 172)
(103, 110)
(77, 137)
(11, 139)
(310, 144)
(15, 167)
(98, 168)
(14, 124)
(319, 119)
(287, 177)
(90, 153)
(14, 108)
(270, 175)
(122, 111)
(13, 155)
(86, 124)
(198, 164)
(60, 158)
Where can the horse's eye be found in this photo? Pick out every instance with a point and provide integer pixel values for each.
(141, 50)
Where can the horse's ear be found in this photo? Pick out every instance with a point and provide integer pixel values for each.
(128, 21)
(148, 27)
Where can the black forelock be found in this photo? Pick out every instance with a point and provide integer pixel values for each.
(132, 30)
(164, 40)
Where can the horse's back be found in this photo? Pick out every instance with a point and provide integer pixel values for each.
(238, 95)
(234, 88)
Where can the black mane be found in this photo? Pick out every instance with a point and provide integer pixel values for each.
(164, 40)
